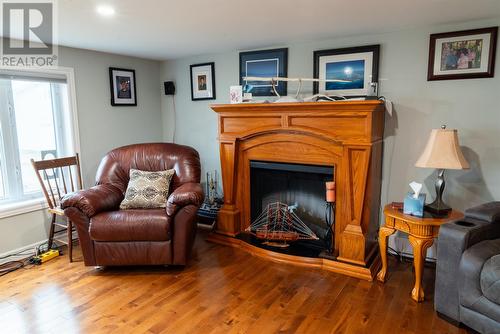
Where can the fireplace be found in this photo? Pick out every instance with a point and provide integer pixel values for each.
(302, 188)
(344, 137)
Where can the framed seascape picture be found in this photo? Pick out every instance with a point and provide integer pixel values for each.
(122, 84)
(462, 54)
(202, 81)
(264, 63)
(355, 68)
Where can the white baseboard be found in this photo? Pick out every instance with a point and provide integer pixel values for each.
(26, 248)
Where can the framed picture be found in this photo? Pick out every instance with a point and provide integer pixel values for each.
(122, 84)
(202, 81)
(264, 63)
(355, 68)
(462, 54)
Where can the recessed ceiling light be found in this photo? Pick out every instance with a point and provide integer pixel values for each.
(105, 10)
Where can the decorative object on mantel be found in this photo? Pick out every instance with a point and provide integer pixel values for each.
(357, 65)
(264, 63)
(463, 54)
(442, 152)
(122, 86)
(235, 94)
(276, 80)
(202, 81)
(346, 135)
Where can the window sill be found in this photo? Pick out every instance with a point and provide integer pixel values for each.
(19, 208)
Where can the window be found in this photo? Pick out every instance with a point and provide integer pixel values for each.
(35, 122)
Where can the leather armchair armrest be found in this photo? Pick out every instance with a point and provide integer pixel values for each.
(187, 194)
(100, 198)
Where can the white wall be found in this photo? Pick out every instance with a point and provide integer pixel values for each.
(102, 127)
(471, 106)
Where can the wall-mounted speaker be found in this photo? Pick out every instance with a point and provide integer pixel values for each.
(169, 87)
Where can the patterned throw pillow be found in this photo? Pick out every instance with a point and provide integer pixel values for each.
(147, 190)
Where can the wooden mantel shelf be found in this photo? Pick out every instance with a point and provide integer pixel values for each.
(346, 135)
(327, 105)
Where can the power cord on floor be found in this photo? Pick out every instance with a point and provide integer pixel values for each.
(31, 259)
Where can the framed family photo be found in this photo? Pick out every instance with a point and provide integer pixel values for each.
(462, 54)
(355, 69)
(202, 81)
(264, 63)
(122, 84)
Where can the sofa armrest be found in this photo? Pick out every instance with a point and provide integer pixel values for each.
(454, 238)
(488, 212)
(100, 198)
(187, 194)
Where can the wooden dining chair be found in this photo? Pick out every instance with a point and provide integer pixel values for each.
(57, 178)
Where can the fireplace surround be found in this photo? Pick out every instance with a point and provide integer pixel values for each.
(346, 135)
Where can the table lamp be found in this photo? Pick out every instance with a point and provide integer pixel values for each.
(442, 152)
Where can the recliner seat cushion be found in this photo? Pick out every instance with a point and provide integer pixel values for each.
(131, 225)
(490, 279)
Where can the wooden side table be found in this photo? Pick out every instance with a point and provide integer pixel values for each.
(421, 234)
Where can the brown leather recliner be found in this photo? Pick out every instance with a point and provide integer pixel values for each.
(110, 236)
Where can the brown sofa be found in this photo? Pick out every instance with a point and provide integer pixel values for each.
(109, 236)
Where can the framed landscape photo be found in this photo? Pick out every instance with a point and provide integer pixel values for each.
(355, 68)
(122, 84)
(202, 81)
(462, 54)
(264, 63)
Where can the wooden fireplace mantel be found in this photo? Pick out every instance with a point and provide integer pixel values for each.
(346, 135)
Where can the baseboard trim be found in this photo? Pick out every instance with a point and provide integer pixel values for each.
(26, 248)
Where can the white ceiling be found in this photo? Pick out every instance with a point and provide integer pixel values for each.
(176, 28)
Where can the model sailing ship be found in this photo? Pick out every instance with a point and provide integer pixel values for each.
(278, 225)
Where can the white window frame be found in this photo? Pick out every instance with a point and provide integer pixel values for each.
(39, 203)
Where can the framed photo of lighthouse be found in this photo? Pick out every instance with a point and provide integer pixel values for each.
(355, 69)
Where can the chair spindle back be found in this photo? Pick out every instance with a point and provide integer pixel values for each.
(58, 177)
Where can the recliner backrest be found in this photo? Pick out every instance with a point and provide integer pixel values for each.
(115, 166)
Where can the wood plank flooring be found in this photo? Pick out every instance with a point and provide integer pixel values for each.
(224, 290)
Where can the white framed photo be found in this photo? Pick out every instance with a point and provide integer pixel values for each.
(122, 84)
(467, 54)
(354, 70)
(202, 81)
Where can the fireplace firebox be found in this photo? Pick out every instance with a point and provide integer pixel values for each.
(302, 188)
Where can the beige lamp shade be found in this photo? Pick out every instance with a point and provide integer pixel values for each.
(443, 151)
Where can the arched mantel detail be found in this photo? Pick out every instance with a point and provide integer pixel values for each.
(344, 135)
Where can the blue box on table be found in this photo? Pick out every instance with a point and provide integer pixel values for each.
(414, 206)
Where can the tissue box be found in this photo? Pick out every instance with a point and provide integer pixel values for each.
(414, 206)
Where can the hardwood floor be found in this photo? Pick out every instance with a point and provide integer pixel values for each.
(224, 290)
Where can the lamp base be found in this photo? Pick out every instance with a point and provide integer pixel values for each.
(438, 207)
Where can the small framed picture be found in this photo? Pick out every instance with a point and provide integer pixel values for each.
(122, 83)
(202, 81)
(355, 69)
(464, 54)
(264, 63)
